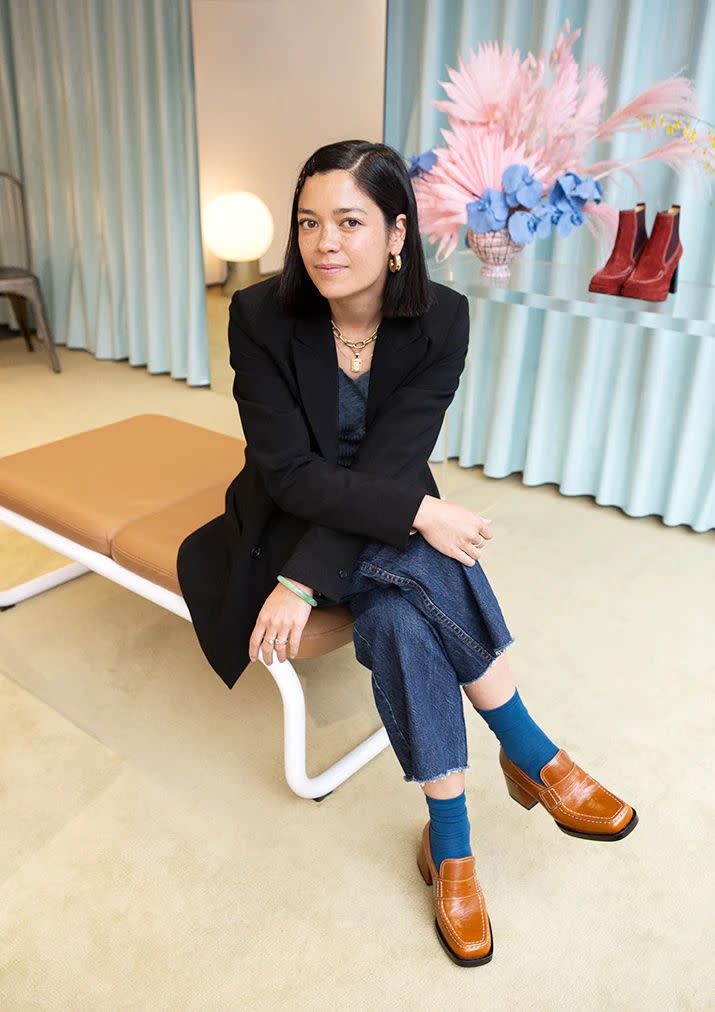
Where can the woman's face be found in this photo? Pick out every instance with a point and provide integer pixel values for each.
(339, 225)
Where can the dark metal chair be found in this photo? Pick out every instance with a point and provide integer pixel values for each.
(20, 284)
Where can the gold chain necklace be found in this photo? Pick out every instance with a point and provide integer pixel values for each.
(355, 360)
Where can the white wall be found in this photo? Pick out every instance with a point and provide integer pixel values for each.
(275, 79)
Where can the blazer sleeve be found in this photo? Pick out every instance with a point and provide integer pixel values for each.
(301, 482)
(324, 558)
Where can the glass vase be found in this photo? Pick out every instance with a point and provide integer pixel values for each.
(496, 250)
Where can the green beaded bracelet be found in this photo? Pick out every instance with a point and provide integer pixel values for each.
(301, 593)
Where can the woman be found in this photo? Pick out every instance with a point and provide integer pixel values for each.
(344, 366)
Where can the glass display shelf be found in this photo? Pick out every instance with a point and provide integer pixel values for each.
(563, 287)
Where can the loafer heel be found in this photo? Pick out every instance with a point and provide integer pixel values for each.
(519, 794)
(424, 870)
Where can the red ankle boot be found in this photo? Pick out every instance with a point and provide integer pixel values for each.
(631, 238)
(656, 272)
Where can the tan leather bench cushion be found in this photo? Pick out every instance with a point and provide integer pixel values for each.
(90, 485)
(149, 547)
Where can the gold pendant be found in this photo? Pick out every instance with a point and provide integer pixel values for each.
(355, 363)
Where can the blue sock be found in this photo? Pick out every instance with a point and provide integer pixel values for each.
(522, 739)
(449, 828)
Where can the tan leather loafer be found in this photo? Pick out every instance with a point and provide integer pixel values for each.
(462, 923)
(579, 804)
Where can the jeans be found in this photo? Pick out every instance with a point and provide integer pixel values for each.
(425, 625)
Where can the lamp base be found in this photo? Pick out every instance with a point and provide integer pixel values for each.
(241, 274)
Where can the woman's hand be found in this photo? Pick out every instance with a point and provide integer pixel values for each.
(452, 529)
(283, 617)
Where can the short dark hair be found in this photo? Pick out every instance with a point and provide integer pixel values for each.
(381, 173)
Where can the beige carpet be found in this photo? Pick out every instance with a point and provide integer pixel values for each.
(153, 857)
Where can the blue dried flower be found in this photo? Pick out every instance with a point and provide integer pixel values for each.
(420, 164)
(520, 187)
(570, 192)
(568, 220)
(489, 212)
(525, 226)
(522, 226)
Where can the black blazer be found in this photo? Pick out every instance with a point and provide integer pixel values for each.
(293, 509)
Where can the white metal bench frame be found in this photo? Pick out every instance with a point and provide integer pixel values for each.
(86, 560)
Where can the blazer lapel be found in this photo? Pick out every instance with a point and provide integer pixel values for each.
(399, 346)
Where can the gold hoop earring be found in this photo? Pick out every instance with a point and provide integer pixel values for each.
(395, 262)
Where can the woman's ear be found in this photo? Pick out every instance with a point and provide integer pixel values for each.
(399, 233)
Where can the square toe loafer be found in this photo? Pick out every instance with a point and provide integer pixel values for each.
(461, 919)
(579, 805)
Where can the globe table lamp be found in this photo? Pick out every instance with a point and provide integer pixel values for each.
(238, 228)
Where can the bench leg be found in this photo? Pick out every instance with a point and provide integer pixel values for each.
(294, 736)
(22, 591)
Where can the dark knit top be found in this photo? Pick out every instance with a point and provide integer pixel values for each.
(352, 403)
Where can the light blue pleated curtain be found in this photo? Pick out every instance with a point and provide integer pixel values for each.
(624, 414)
(97, 117)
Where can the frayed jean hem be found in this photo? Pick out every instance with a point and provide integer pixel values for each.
(497, 655)
(439, 776)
